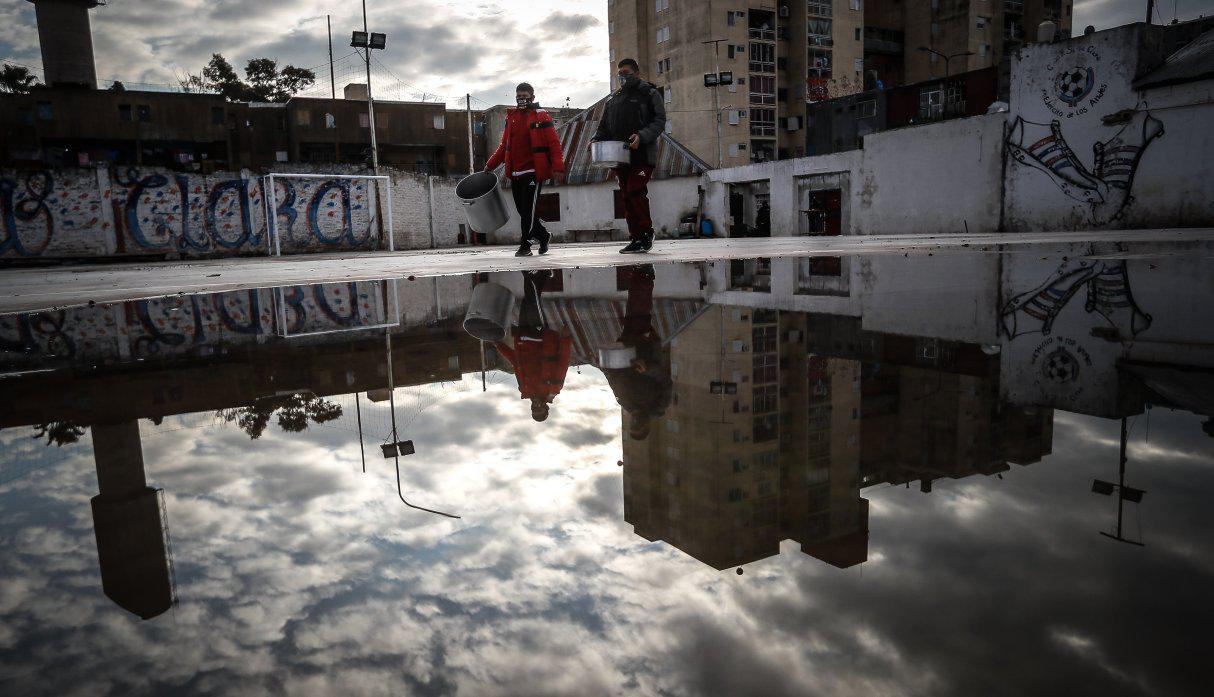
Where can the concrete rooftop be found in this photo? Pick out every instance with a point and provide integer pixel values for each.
(23, 290)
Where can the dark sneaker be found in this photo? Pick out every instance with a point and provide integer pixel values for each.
(646, 242)
(544, 243)
(634, 247)
(524, 250)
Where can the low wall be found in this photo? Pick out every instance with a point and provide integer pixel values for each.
(137, 212)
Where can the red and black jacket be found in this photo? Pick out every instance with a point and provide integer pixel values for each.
(545, 143)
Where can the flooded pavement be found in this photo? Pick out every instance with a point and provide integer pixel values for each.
(946, 473)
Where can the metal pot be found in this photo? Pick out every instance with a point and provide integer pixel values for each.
(616, 356)
(606, 154)
(484, 206)
(489, 311)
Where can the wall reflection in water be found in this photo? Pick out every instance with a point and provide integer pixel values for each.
(747, 417)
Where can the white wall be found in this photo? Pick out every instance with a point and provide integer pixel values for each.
(592, 207)
(1168, 130)
(931, 179)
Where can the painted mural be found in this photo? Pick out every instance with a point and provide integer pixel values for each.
(1104, 287)
(1106, 185)
(129, 211)
(191, 325)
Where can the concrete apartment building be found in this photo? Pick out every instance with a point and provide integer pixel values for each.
(785, 53)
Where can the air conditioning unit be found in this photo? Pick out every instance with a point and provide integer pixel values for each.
(784, 11)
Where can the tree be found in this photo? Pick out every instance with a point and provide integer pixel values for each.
(17, 79)
(263, 82)
(118, 86)
(60, 433)
(294, 412)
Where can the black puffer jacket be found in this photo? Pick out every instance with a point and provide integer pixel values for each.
(640, 110)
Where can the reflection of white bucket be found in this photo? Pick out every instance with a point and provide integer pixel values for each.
(489, 312)
(482, 201)
(616, 356)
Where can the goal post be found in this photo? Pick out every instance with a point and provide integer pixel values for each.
(327, 212)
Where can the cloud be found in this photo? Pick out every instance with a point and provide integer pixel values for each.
(559, 25)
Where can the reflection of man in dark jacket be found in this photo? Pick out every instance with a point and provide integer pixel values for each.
(635, 114)
(643, 389)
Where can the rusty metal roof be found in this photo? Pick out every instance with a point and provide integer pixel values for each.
(674, 159)
(1194, 61)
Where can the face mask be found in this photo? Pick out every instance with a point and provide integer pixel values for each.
(524, 102)
(628, 80)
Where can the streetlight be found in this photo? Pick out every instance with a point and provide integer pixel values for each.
(369, 41)
(1124, 493)
(715, 80)
(946, 58)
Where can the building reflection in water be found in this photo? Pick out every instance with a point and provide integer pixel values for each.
(780, 418)
(133, 548)
(749, 416)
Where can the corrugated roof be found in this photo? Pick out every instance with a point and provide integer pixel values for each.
(1195, 61)
(674, 159)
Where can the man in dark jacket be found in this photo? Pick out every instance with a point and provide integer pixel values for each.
(635, 114)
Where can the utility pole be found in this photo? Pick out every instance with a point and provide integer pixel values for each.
(332, 91)
(716, 97)
(471, 155)
(1150, 10)
(370, 101)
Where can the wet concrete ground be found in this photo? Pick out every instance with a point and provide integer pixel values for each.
(28, 289)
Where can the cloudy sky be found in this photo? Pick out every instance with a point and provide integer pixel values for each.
(298, 574)
(440, 48)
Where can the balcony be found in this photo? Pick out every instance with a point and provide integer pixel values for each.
(818, 8)
(762, 99)
(760, 34)
(1015, 7)
(820, 40)
(762, 67)
(763, 129)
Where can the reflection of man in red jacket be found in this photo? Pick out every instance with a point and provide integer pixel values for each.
(540, 355)
(531, 151)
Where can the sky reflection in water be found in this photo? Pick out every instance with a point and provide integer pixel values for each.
(297, 573)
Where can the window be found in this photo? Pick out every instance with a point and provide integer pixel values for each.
(440, 122)
(735, 117)
(668, 94)
(611, 27)
(611, 55)
(763, 90)
(931, 104)
(46, 111)
(859, 33)
(866, 109)
(659, 5)
(820, 32)
(364, 121)
(663, 35)
(983, 49)
(858, 64)
(280, 155)
(145, 113)
(854, 5)
(762, 58)
(217, 116)
(303, 117)
(124, 112)
(983, 22)
(820, 8)
(732, 16)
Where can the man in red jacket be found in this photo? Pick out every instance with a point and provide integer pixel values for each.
(531, 151)
(540, 355)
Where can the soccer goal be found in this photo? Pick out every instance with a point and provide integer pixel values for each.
(327, 212)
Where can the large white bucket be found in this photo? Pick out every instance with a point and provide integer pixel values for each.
(616, 356)
(489, 312)
(606, 154)
(484, 206)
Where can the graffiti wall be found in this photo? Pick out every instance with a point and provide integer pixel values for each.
(1066, 325)
(1086, 149)
(191, 325)
(128, 211)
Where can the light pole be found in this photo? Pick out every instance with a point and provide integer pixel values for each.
(716, 95)
(368, 41)
(946, 58)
